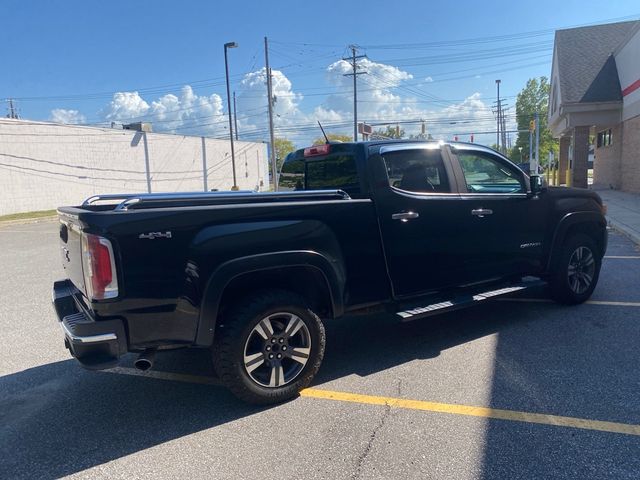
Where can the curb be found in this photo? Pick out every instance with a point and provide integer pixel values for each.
(23, 221)
(624, 230)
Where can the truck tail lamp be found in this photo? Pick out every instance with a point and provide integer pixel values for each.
(317, 150)
(99, 267)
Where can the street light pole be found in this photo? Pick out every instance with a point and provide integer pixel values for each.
(233, 156)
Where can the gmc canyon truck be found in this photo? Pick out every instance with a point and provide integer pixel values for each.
(411, 228)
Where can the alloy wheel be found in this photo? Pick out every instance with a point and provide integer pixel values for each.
(277, 349)
(582, 267)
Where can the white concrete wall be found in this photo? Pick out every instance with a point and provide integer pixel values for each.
(46, 165)
(628, 64)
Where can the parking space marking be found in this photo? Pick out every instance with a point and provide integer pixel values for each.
(483, 412)
(159, 375)
(436, 407)
(623, 257)
(589, 302)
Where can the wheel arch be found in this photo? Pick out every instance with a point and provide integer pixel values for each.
(307, 273)
(591, 224)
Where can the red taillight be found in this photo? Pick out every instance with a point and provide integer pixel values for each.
(317, 150)
(99, 267)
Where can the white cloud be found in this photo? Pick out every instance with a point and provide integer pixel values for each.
(125, 106)
(385, 94)
(184, 113)
(428, 79)
(70, 117)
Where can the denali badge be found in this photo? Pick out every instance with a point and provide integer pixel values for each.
(152, 235)
(531, 245)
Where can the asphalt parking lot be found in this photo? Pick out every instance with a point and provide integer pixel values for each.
(510, 389)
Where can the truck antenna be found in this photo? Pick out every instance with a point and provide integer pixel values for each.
(325, 135)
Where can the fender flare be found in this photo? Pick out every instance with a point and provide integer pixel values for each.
(566, 222)
(228, 271)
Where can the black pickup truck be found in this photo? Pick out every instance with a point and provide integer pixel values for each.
(413, 228)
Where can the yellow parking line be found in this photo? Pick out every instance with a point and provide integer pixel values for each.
(589, 302)
(483, 412)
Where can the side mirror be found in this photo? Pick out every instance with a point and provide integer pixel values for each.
(537, 184)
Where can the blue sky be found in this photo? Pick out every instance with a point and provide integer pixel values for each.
(433, 61)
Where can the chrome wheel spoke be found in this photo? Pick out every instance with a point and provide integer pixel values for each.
(589, 260)
(277, 376)
(264, 328)
(295, 324)
(300, 355)
(251, 362)
(574, 282)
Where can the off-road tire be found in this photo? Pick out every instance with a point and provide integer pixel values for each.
(238, 327)
(571, 288)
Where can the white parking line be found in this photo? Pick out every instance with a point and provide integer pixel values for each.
(590, 302)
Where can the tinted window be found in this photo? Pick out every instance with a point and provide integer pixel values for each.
(334, 172)
(485, 174)
(420, 170)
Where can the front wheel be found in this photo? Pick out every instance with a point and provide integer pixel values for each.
(269, 347)
(577, 270)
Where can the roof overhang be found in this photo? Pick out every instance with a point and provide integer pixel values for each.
(578, 114)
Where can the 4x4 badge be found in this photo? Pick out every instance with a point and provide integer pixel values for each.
(153, 235)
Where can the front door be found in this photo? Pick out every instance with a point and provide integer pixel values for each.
(506, 224)
(420, 214)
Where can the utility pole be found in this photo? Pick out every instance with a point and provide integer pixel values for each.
(503, 125)
(13, 113)
(235, 116)
(537, 162)
(272, 149)
(498, 119)
(353, 59)
(530, 146)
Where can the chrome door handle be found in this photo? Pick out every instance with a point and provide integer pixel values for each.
(404, 216)
(481, 212)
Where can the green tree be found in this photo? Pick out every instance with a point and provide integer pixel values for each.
(389, 132)
(534, 97)
(333, 137)
(283, 147)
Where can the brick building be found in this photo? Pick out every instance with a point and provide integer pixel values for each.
(595, 98)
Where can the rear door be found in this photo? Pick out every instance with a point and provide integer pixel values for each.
(420, 214)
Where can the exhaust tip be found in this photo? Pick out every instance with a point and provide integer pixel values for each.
(143, 364)
(145, 361)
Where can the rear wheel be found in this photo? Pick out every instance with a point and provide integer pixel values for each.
(577, 271)
(269, 348)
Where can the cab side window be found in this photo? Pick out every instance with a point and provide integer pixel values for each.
(418, 171)
(486, 174)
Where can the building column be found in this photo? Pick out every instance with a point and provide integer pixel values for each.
(579, 166)
(563, 160)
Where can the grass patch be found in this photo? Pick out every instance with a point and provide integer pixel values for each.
(27, 215)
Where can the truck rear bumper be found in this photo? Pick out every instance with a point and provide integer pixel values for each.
(95, 344)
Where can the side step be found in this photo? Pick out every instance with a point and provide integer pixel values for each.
(430, 307)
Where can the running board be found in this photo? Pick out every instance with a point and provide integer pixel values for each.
(467, 299)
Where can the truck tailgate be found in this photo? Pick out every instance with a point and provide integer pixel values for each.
(71, 249)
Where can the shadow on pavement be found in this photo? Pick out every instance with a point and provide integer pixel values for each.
(58, 419)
